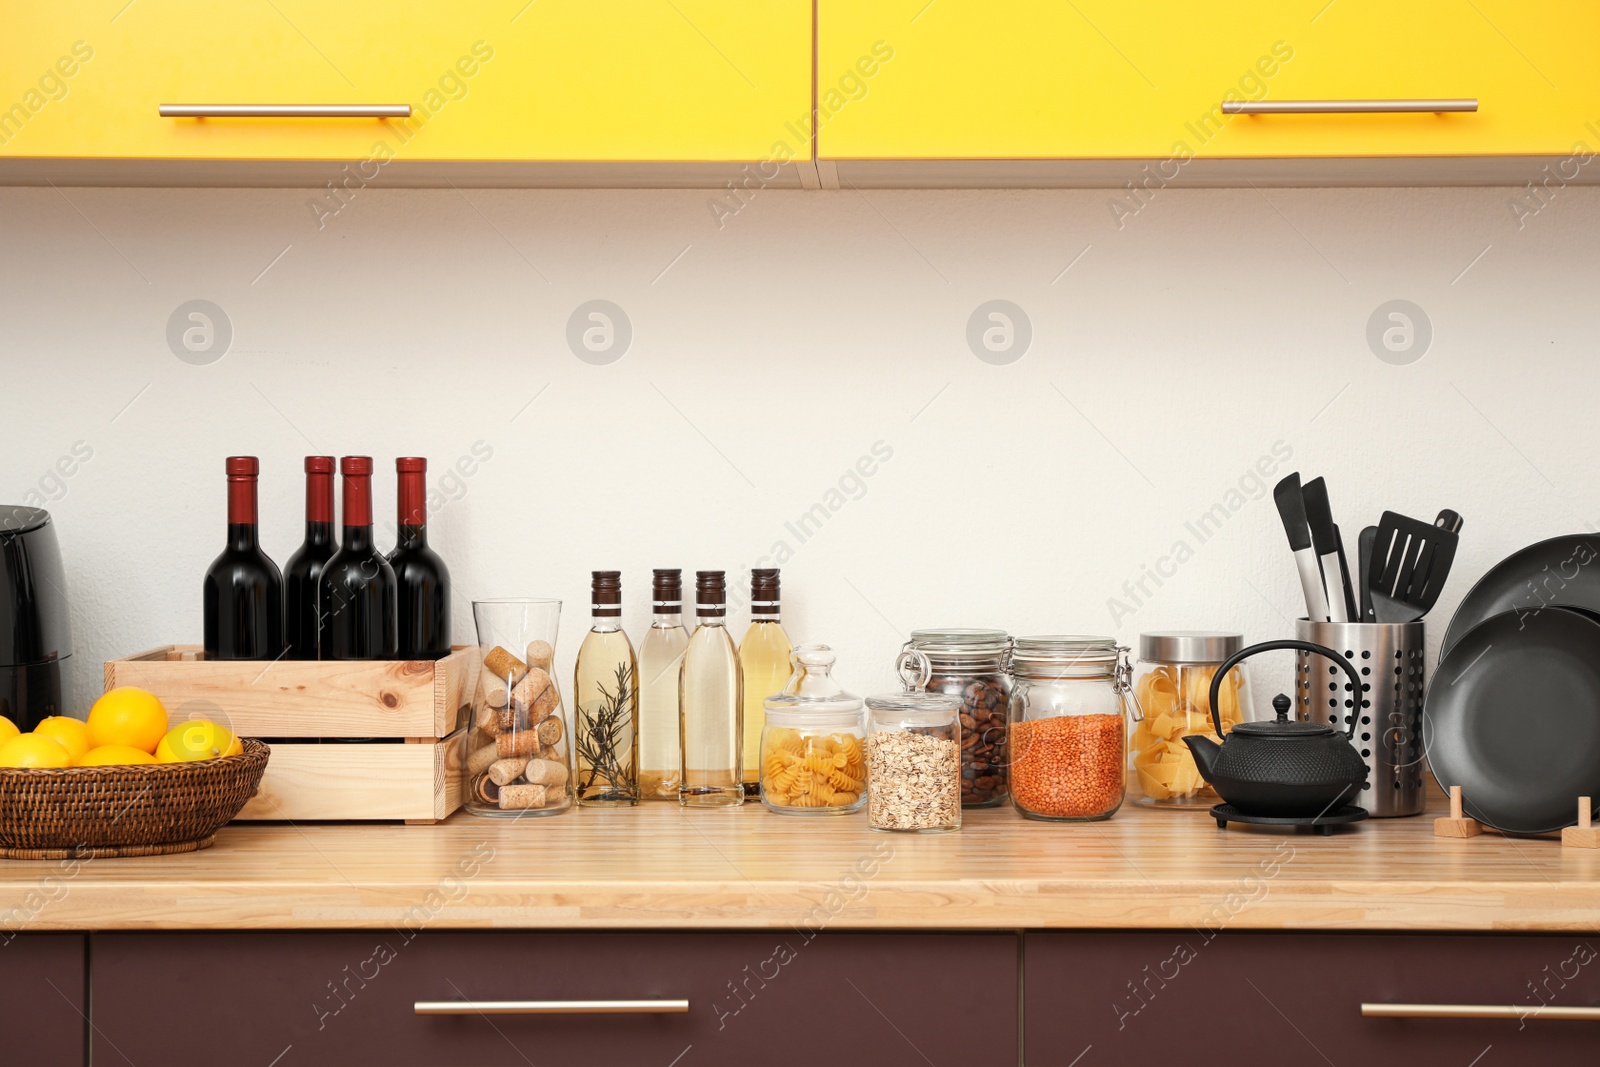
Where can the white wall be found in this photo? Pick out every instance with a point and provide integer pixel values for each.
(772, 356)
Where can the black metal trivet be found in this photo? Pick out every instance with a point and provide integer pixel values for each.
(1322, 824)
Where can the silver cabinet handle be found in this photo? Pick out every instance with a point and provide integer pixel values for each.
(1342, 107)
(285, 111)
(1475, 1011)
(550, 1007)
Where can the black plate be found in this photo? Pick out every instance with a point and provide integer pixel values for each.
(1563, 572)
(1513, 718)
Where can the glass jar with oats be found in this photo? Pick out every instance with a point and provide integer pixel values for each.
(914, 755)
(1173, 686)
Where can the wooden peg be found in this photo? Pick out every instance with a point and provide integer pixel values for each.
(1457, 825)
(1582, 835)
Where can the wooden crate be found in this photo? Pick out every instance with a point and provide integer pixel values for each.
(298, 704)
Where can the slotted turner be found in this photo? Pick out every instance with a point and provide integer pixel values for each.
(1410, 561)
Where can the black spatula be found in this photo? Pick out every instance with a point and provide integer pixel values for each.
(1410, 561)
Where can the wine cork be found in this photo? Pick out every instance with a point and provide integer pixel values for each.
(546, 772)
(496, 693)
(501, 664)
(551, 753)
(520, 796)
(496, 720)
(523, 744)
(484, 791)
(540, 655)
(480, 758)
(505, 771)
(549, 731)
(536, 694)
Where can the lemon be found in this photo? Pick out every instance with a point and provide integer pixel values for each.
(197, 740)
(114, 755)
(71, 734)
(8, 729)
(34, 750)
(127, 716)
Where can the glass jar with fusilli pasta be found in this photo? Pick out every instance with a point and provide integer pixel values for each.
(813, 747)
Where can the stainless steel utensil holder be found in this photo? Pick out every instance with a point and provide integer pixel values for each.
(1388, 656)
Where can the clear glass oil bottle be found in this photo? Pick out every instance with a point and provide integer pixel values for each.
(764, 660)
(710, 702)
(606, 702)
(660, 660)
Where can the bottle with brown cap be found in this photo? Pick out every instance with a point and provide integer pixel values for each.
(660, 660)
(764, 659)
(356, 596)
(421, 579)
(606, 699)
(710, 702)
(301, 573)
(242, 595)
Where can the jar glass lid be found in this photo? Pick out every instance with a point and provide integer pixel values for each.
(913, 705)
(932, 703)
(960, 642)
(1077, 651)
(1189, 646)
(812, 689)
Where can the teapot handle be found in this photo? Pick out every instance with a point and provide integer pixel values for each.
(1271, 646)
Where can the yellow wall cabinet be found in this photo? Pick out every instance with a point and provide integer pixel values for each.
(1110, 80)
(486, 80)
(688, 92)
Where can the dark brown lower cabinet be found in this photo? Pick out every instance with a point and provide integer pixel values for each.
(773, 998)
(45, 1000)
(1213, 999)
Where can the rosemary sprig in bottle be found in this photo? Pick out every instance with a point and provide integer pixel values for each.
(603, 732)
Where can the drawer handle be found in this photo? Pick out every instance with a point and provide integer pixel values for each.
(285, 111)
(1475, 1011)
(1343, 107)
(550, 1007)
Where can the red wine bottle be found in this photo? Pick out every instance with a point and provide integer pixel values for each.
(300, 574)
(423, 579)
(356, 590)
(243, 591)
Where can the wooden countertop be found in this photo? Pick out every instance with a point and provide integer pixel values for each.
(660, 867)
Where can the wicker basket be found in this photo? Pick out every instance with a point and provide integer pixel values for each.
(141, 809)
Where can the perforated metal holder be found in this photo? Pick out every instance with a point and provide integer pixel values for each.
(1389, 732)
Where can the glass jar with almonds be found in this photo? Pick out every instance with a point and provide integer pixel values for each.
(517, 757)
(813, 746)
(1173, 686)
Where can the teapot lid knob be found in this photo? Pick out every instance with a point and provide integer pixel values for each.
(1280, 704)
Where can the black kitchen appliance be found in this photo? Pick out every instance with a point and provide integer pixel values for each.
(35, 631)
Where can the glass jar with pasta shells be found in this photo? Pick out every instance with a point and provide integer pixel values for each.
(813, 746)
(914, 755)
(967, 664)
(1067, 728)
(1174, 686)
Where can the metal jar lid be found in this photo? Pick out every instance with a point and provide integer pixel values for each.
(1189, 646)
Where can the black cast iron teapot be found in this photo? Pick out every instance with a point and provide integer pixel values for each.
(1283, 768)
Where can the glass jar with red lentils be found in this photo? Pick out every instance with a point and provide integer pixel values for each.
(1067, 727)
(968, 665)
